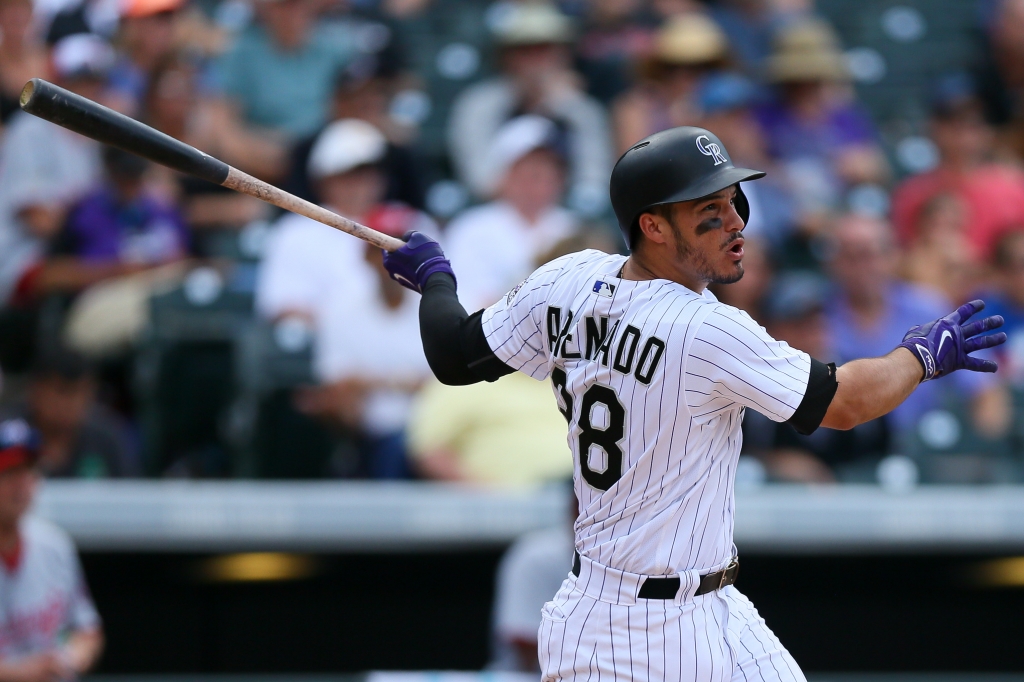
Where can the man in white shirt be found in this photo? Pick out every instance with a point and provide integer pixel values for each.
(496, 245)
(43, 167)
(367, 356)
(49, 628)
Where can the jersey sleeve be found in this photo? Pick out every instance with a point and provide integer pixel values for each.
(514, 325)
(734, 360)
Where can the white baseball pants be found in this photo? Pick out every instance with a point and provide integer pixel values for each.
(597, 629)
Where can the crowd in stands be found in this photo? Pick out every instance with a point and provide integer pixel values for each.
(155, 324)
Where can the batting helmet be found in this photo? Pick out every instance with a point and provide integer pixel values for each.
(679, 164)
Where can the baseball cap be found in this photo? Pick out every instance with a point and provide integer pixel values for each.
(724, 92)
(796, 295)
(19, 444)
(517, 138)
(345, 145)
(532, 23)
(135, 9)
(82, 55)
(953, 94)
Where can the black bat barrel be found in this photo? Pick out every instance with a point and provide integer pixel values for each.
(68, 110)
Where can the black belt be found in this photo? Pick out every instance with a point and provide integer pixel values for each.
(667, 588)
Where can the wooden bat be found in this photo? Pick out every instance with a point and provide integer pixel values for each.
(74, 112)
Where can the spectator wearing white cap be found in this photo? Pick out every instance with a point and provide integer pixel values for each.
(535, 58)
(368, 358)
(43, 167)
(494, 246)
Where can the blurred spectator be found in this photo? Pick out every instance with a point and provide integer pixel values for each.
(22, 56)
(277, 78)
(993, 193)
(536, 78)
(617, 34)
(79, 437)
(530, 572)
(475, 434)
(686, 48)
(496, 245)
(939, 256)
(794, 312)
(146, 38)
(368, 356)
(117, 229)
(871, 311)
(1002, 75)
(49, 628)
(824, 143)
(750, 24)
(43, 167)
(363, 91)
(375, 365)
(726, 103)
(172, 105)
(1007, 299)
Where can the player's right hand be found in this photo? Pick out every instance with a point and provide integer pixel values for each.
(413, 264)
(944, 345)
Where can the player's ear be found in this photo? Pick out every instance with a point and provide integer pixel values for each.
(654, 227)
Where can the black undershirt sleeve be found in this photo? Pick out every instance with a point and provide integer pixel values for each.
(821, 389)
(453, 341)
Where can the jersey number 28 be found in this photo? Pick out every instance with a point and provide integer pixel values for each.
(607, 438)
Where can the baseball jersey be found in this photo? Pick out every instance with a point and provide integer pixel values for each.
(653, 379)
(44, 597)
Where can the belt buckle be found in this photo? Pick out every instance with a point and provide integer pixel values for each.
(725, 573)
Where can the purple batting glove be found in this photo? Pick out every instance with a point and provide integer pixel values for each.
(944, 345)
(413, 264)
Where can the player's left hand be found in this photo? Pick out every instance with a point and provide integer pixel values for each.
(944, 345)
(413, 264)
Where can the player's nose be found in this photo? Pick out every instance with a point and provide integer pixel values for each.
(731, 220)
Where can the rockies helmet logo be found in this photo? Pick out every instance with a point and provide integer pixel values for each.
(709, 148)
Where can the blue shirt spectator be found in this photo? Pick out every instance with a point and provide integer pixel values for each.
(281, 70)
(871, 312)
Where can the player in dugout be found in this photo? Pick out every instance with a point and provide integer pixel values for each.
(653, 375)
(49, 628)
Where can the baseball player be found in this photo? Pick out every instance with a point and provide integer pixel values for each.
(653, 375)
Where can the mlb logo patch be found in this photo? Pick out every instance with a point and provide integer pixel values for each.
(603, 289)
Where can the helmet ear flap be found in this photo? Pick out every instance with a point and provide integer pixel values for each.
(741, 204)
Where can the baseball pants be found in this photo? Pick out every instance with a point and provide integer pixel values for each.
(597, 629)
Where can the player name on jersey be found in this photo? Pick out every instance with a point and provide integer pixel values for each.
(598, 341)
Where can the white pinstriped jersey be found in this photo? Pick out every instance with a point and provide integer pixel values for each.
(653, 379)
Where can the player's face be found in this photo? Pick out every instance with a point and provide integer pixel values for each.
(17, 487)
(708, 237)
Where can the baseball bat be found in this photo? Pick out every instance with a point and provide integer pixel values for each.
(85, 117)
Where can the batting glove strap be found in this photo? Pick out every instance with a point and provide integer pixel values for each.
(944, 345)
(413, 264)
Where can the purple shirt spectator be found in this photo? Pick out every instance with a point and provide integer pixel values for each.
(791, 138)
(144, 230)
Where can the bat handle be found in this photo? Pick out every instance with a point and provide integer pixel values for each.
(247, 184)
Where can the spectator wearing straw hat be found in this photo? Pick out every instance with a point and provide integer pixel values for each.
(686, 49)
(535, 59)
(49, 628)
(824, 142)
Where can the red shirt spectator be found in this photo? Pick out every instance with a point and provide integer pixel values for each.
(992, 193)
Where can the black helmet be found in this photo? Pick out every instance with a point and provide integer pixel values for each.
(679, 164)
